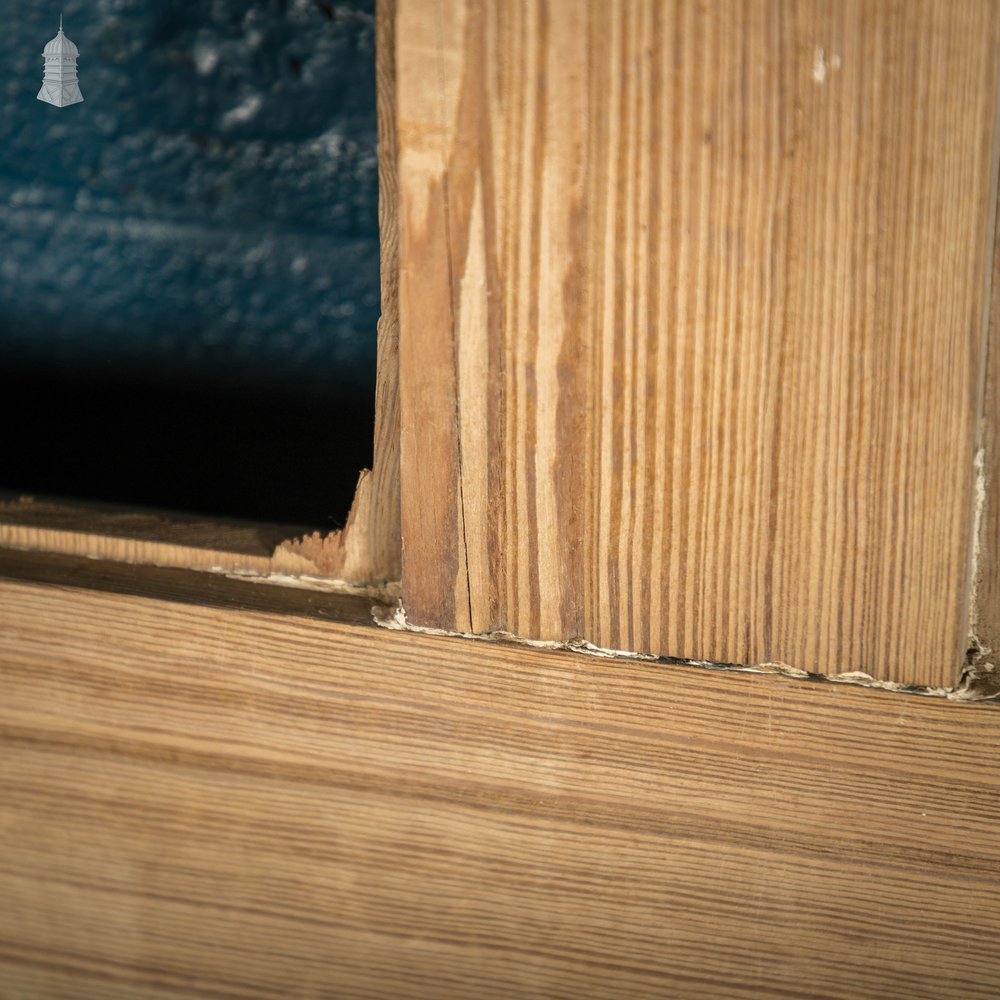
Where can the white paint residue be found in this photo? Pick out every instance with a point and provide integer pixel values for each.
(979, 506)
(819, 66)
(395, 618)
(979, 464)
(384, 592)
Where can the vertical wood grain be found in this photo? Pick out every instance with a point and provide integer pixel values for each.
(984, 610)
(430, 473)
(691, 323)
(385, 531)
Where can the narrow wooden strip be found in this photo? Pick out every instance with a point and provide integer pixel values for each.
(435, 572)
(113, 533)
(175, 540)
(982, 667)
(386, 544)
(117, 522)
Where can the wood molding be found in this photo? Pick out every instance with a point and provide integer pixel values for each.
(223, 801)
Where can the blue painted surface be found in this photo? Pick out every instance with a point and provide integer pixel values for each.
(189, 259)
(210, 210)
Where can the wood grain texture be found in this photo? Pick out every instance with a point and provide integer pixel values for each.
(387, 543)
(434, 568)
(692, 303)
(984, 610)
(213, 802)
(172, 539)
(154, 538)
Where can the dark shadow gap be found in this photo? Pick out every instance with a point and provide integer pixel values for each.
(189, 259)
(270, 452)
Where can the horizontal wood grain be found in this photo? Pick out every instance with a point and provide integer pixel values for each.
(108, 532)
(172, 539)
(222, 802)
(692, 303)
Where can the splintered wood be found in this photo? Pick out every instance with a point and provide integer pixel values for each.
(692, 302)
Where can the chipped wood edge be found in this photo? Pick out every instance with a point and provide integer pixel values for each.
(354, 555)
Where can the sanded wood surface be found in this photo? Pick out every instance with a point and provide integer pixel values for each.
(692, 303)
(214, 802)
